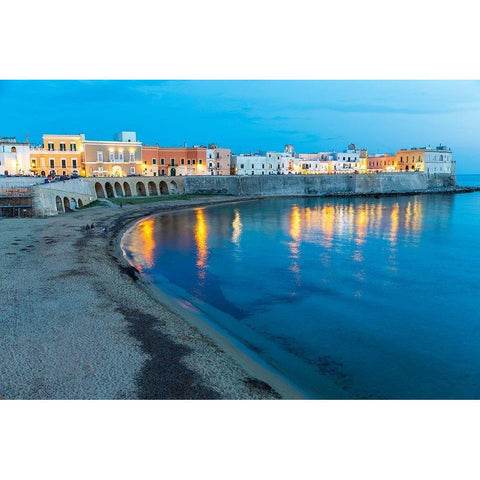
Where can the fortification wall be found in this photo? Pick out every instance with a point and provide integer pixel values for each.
(59, 197)
(284, 185)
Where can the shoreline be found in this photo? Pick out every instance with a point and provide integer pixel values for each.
(79, 324)
(248, 360)
(76, 326)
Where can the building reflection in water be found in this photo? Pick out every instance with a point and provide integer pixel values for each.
(294, 244)
(334, 225)
(237, 228)
(143, 246)
(201, 238)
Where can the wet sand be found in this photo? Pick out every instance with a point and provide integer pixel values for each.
(78, 323)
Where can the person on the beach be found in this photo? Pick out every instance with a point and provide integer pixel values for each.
(91, 226)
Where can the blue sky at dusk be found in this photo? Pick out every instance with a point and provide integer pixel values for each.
(382, 116)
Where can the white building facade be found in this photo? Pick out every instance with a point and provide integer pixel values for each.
(252, 165)
(219, 160)
(14, 157)
(439, 161)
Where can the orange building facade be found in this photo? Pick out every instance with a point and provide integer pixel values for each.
(412, 160)
(160, 161)
(59, 155)
(382, 163)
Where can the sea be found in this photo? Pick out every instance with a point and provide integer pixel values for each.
(346, 298)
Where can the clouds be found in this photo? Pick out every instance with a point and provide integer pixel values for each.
(251, 115)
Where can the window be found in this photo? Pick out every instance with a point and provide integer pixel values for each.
(218, 164)
(193, 161)
(241, 165)
(62, 147)
(253, 166)
(34, 162)
(188, 161)
(162, 161)
(163, 171)
(132, 157)
(50, 146)
(52, 163)
(182, 161)
(154, 161)
(111, 156)
(73, 147)
(120, 156)
(99, 156)
(64, 162)
(132, 169)
(74, 162)
(200, 161)
(172, 162)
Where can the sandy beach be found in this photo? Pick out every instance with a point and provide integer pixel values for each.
(77, 323)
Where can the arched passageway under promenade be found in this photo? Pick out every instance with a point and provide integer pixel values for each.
(140, 188)
(118, 189)
(109, 190)
(128, 190)
(152, 188)
(99, 190)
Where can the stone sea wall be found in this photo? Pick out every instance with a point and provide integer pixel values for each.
(323, 185)
(59, 197)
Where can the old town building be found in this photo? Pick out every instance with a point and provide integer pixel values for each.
(117, 158)
(164, 161)
(14, 157)
(218, 160)
(426, 159)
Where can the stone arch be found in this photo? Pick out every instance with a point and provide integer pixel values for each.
(99, 190)
(152, 188)
(173, 188)
(128, 190)
(80, 203)
(109, 190)
(163, 188)
(140, 189)
(66, 204)
(118, 189)
(73, 203)
(59, 204)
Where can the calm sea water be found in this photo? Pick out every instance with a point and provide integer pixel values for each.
(347, 298)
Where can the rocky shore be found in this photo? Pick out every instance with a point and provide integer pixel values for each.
(75, 324)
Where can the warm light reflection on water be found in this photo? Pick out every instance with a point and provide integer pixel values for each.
(329, 288)
(146, 245)
(201, 238)
(237, 228)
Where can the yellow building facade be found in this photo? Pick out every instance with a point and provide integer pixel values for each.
(410, 160)
(59, 155)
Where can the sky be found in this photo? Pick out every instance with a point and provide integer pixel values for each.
(252, 115)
